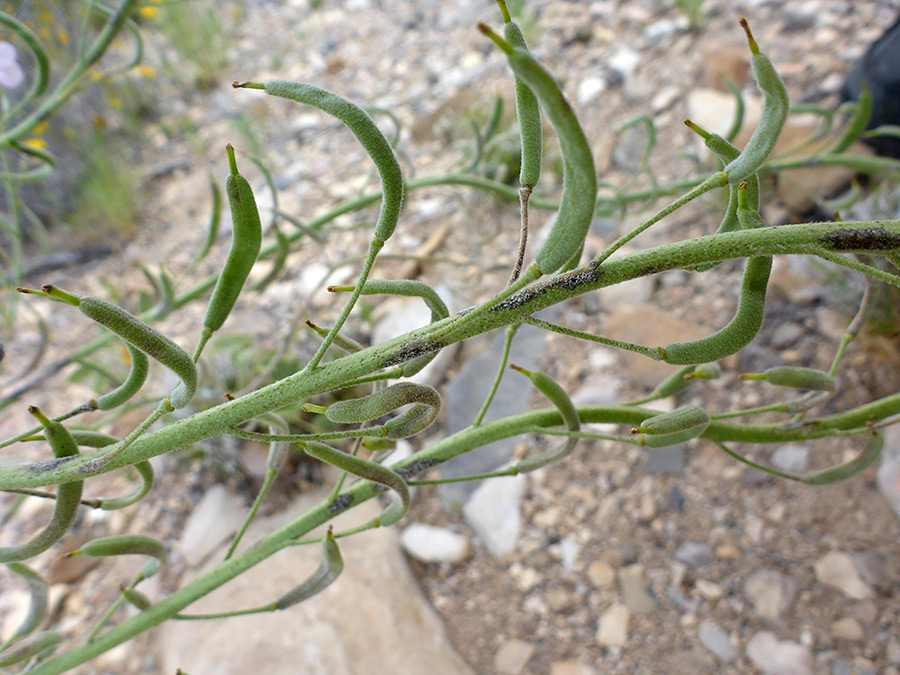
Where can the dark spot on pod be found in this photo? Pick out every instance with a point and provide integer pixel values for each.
(411, 350)
(47, 465)
(867, 238)
(340, 503)
(417, 467)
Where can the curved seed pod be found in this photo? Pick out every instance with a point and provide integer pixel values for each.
(370, 471)
(330, 569)
(97, 439)
(215, 219)
(674, 383)
(493, 125)
(405, 287)
(559, 398)
(137, 599)
(37, 609)
(706, 371)
(136, 378)
(135, 332)
(677, 426)
(349, 345)
(579, 176)
(379, 444)
(128, 544)
(284, 248)
(427, 406)
(774, 113)
(245, 242)
(30, 647)
(68, 496)
(369, 135)
(857, 124)
(527, 111)
(34, 44)
(860, 463)
(799, 378)
(742, 328)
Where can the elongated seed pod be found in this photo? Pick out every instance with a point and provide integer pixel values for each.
(135, 380)
(748, 216)
(97, 439)
(369, 135)
(798, 378)
(68, 496)
(681, 419)
(528, 113)
(330, 569)
(774, 113)
(37, 589)
(29, 647)
(742, 328)
(370, 471)
(246, 239)
(128, 544)
(426, 400)
(857, 123)
(137, 599)
(137, 333)
(579, 176)
(560, 399)
(406, 288)
(860, 463)
(674, 383)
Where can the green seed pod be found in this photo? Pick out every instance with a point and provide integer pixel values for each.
(137, 599)
(857, 465)
(742, 328)
(330, 569)
(674, 383)
(560, 399)
(370, 471)
(37, 609)
(68, 496)
(579, 176)
(858, 122)
(748, 216)
(245, 242)
(128, 544)
(33, 646)
(774, 113)
(137, 333)
(427, 406)
(369, 135)
(798, 378)
(406, 288)
(706, 371)
(677, 426)
(136, 378)
(529, 116)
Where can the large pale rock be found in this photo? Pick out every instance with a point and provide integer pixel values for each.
(372, 619)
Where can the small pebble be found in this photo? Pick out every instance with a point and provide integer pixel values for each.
(634, 590)
(694, 553)
(771, 593)
(512, 656)
(847, 628)
(791, 458)
(716, 639)
(838, 570)
(429, 544)
(601, 574)
(612, 628)
(776, 657)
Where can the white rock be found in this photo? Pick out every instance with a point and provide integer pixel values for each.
(624, 62)
(791, 458)
(589, 89)
(427, 543)
(613, 626)
(493, 511)
(512, 656)
(838, 570)
(771, 592)
(218, 515)
(776, 657)
(374, 613)
(847, 628)
(716, 639)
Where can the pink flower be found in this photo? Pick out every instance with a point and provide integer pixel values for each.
(11, 73)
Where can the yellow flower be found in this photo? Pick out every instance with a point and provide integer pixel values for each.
(146, 71)
(114, 100)
(148, 12)
(63, 36)
(36, 143)
(41, 127)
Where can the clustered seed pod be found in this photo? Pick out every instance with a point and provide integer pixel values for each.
(426, 406)
(677, 426)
